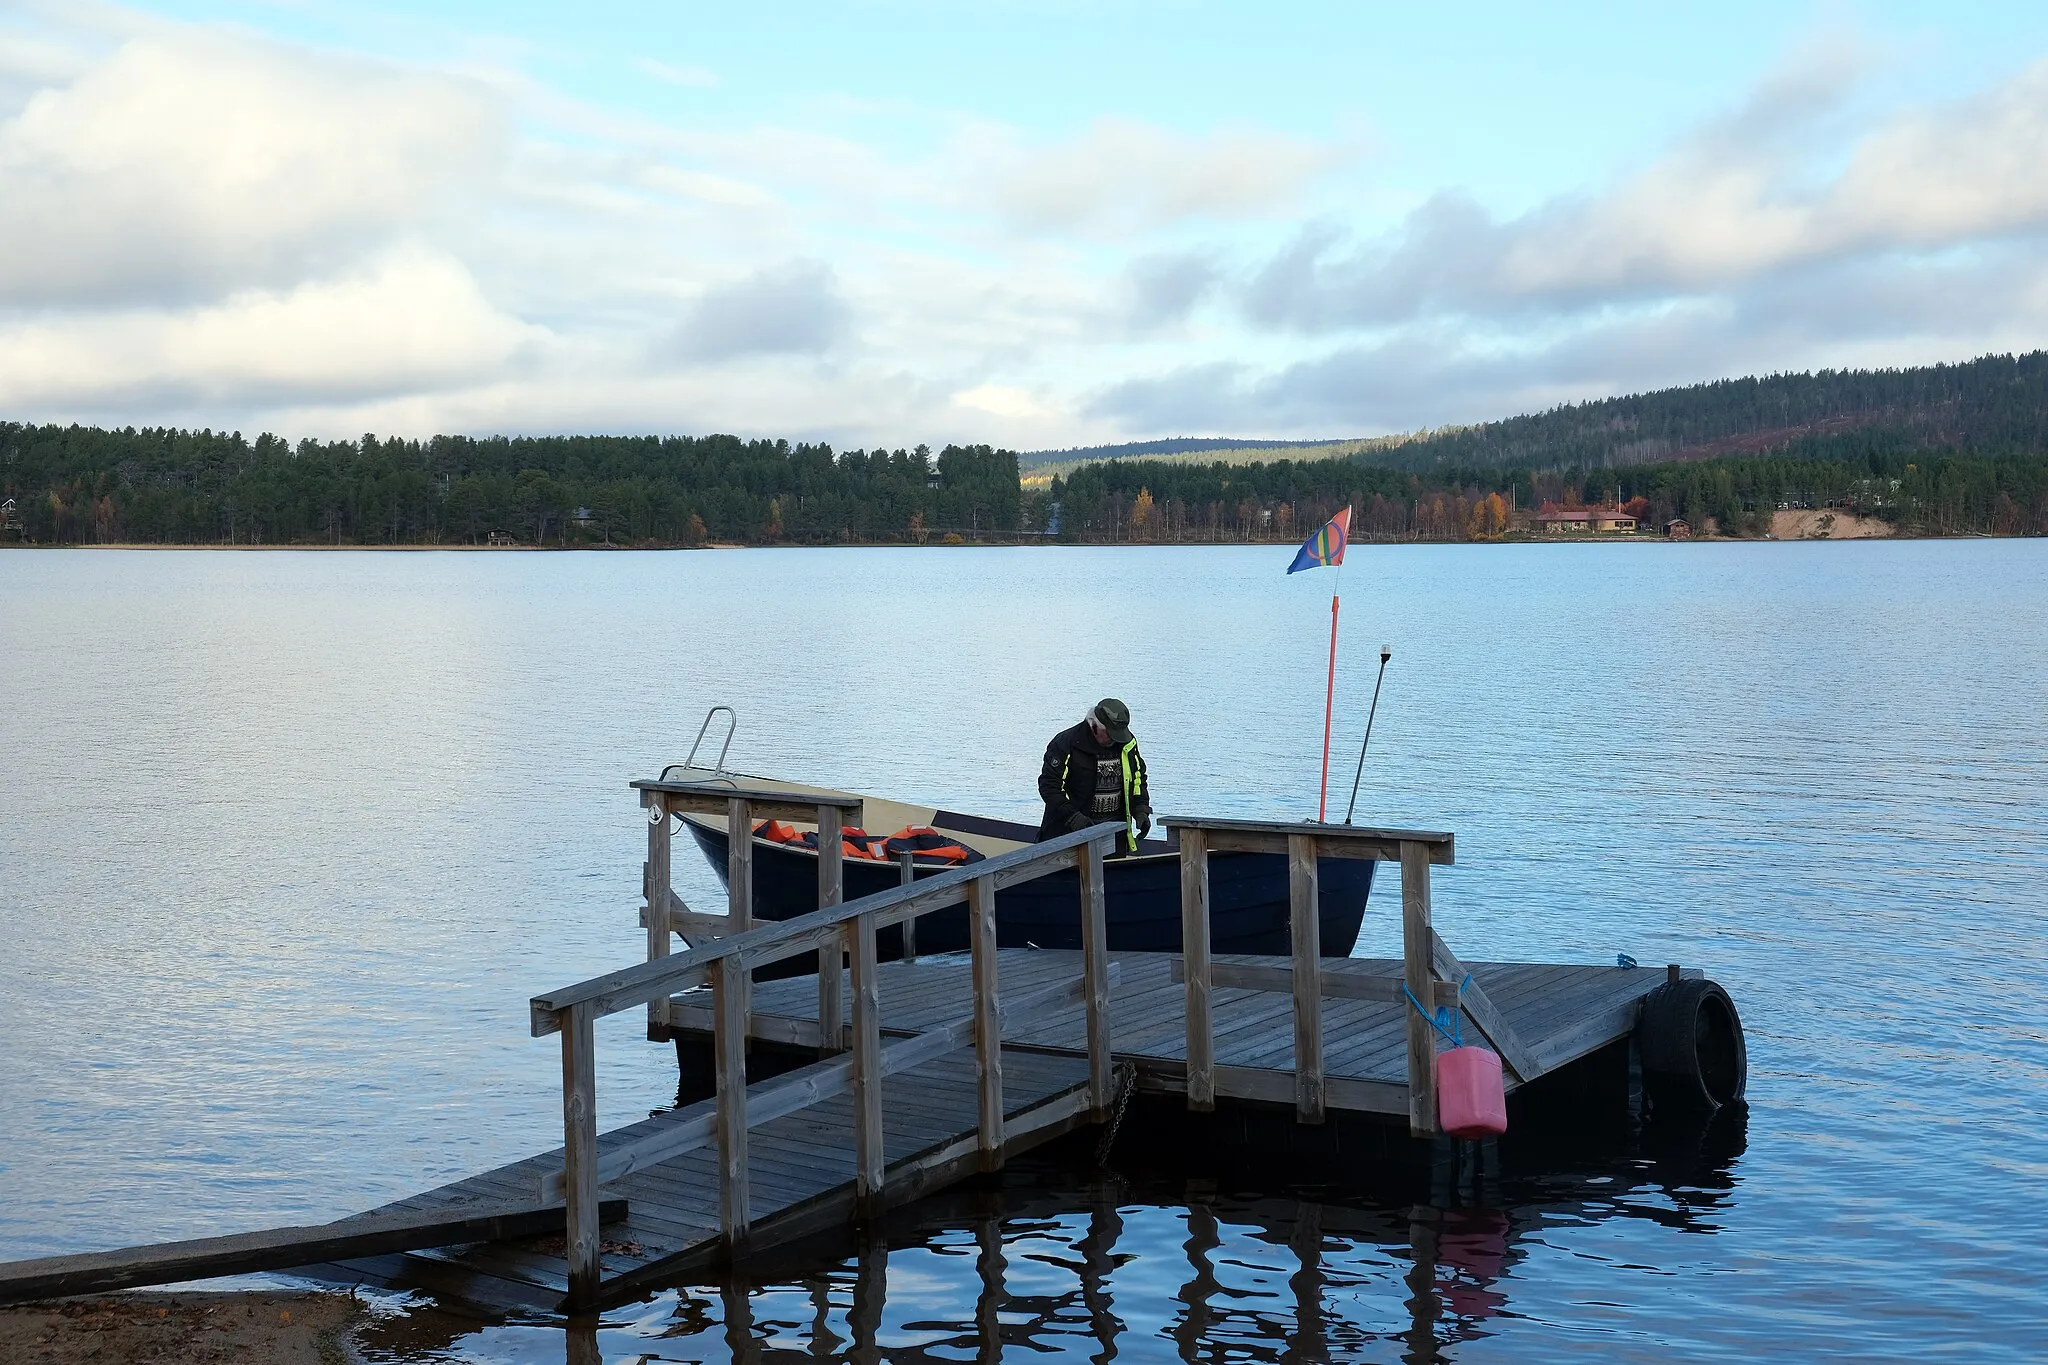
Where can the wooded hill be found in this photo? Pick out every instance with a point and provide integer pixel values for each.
(1943, 449)
(1949, 449)
(1995, 404)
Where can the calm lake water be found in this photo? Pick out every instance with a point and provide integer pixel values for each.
(287, 840)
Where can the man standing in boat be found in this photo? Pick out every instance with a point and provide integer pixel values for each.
(1094, 775)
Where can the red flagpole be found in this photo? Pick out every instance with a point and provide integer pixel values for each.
(1329, 703)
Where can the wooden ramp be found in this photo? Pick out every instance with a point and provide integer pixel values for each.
(800, 1170)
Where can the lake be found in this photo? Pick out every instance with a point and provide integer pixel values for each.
(287, 839)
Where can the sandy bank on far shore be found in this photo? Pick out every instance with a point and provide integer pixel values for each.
(309, 1328)
(1828, 525)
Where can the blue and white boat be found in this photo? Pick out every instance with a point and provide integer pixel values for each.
(1248, 908)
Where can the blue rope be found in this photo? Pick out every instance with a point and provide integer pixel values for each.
(1447, 1021)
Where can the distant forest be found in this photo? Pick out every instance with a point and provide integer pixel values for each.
(157, 485)
(1943, 450)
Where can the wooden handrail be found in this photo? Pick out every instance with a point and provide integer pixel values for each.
(697, 1126)
(637, 984)
(774, 803)
(831, 931)
(1332, 841)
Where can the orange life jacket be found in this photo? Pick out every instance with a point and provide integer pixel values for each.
(927, 845)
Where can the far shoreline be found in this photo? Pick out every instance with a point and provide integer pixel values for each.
(428, 548)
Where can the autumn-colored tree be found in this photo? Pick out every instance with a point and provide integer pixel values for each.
(1283, 519)
(1141, 515)
(695, 533)
(1637, 507)
(917, 531)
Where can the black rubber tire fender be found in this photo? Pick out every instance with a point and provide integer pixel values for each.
(1692, 1049)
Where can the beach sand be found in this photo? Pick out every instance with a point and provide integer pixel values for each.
(1827, 525)
(311, 1328)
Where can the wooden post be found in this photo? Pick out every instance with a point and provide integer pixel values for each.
(906, 865)
(739, 889)
(658, 889)
(579, 1150)
(729, 1059)
(1194, 947)
(831, 891)
(988, 1018)
(1305, 926)
(1415, 963)
(869, 1158)
(1095, 974)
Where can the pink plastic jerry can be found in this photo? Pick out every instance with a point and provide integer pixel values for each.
(1470, 1099)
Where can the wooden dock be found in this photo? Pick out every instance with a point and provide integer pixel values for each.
(929, 1069)
(1557, 1014)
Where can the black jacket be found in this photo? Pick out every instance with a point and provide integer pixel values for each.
(1067, 784)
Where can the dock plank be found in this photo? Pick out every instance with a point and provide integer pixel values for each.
(278, 1248)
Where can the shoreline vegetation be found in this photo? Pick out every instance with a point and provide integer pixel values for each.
(1956, 450)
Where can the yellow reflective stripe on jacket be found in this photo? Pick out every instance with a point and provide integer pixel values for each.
(1131, 785)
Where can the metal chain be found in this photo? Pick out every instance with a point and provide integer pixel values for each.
(1126, 1081)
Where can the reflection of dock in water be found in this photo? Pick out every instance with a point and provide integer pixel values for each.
(1105, 1271)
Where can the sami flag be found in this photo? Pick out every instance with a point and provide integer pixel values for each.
(1325, 546)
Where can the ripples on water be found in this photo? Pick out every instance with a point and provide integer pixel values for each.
(288, 839)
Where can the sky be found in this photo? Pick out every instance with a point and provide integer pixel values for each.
(1039, 225)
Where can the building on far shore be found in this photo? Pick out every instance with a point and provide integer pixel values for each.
(501, 539)
(1678, 529)
(1552, 519)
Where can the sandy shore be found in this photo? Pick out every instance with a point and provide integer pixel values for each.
(309, 1328)
(1827, 525)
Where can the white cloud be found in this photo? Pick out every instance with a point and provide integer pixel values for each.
(1121, 177)
(410, 321)
(210, 227)
(1743, 197)
(190, 163)
(1001, 400)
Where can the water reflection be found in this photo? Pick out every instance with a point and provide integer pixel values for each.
(1052, 1259)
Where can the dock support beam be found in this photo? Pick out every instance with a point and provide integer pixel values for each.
(869, 1157)
(988, 1018)
(729, 1055)
(1194, 947)
(739, 892)
(831, 891)
(579, 1148)
(1095, 975)
(1305, 934)
(1418, 941)
(660, 891)
(906, 873)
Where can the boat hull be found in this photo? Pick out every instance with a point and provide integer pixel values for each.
(1248, 901)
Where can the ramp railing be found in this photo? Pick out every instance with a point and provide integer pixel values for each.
(850, 928)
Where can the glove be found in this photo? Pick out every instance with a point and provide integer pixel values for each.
(1078, 821)
(1144, 828)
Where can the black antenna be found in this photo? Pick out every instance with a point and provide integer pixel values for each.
(1386, 653)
